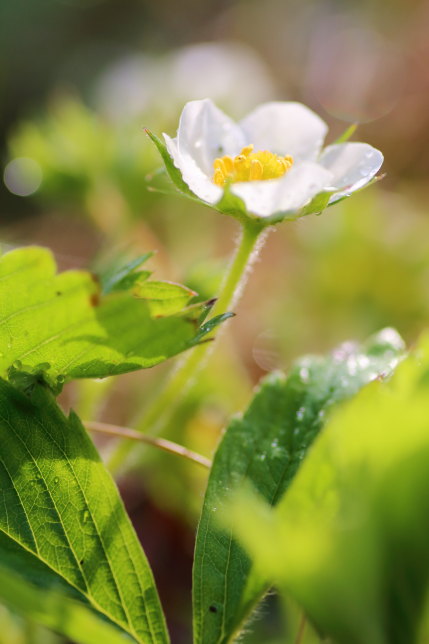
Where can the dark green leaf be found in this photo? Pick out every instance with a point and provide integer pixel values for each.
(266, 447)
(349, 539)
(61, 517)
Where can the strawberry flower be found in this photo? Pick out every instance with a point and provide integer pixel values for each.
(269, 165)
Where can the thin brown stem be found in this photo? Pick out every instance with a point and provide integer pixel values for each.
(160, 443)
(301, 628)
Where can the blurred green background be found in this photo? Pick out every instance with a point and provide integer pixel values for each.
(79, 79)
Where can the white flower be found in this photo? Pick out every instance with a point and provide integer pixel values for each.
(279, 145)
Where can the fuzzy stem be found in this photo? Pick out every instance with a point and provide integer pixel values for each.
(183, 376)
(301, 629)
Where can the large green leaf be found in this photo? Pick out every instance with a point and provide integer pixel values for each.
(59, 327)
(61, 516)
(266, 447)
(350, 538)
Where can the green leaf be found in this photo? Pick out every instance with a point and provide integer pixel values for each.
(352, 529)
(266, 447)
(58, 327)
(61, 516)
(56, 610)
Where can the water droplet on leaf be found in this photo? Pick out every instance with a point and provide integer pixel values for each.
(300, 413)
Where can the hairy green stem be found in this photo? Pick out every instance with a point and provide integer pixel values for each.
(252, 236)
(301, 629)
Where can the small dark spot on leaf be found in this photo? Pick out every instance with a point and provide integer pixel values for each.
(58, 293)
(94, 299)
(82, 561)
(213, 608)
(95, 278)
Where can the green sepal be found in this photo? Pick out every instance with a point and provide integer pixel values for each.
(317, 205)
(211, 325)
(345, 136)
(341, 197)
(232, 205)
(173, 172)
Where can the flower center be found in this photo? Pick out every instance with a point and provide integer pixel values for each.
(250, 166)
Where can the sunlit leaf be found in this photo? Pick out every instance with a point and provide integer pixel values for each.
(163, 298)
(55, 327)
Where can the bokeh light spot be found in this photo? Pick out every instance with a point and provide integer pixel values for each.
(23, 176)
(354, 73)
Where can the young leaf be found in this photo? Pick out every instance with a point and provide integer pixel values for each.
(266, 447)
(118, 277)
(61, 516)
(349, 539)
(58, 327)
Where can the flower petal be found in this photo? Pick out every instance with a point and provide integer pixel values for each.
(286, 195)
(352, 165)
(197, 180)
(206, 133)
(285, 128)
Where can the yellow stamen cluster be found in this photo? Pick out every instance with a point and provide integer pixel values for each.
(250, 166)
